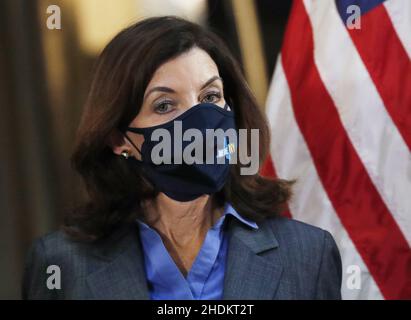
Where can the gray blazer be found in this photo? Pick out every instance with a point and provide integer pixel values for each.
(283, 259)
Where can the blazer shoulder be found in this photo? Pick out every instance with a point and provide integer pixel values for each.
(312, 252)
(75, 260)
(285, 228)
(57, 242)
(299, 237)
(58, 248)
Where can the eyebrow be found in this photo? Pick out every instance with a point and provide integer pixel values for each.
(169, 90)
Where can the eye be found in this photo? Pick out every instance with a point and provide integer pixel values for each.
(212, 97)
(163, 107)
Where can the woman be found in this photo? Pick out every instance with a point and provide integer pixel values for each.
(178, 230)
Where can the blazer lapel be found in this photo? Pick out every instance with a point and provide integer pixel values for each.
(253, 267)
(122, 275)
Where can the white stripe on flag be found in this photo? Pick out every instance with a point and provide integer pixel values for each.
(399, 12)
(292, 160)
(371, 130)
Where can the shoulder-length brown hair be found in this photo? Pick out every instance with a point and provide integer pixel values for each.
(122, 72)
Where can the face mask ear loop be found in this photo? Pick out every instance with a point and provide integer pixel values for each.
(129, 140)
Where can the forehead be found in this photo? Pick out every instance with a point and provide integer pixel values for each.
(192, 67)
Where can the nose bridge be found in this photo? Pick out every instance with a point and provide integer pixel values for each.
(190, 95)
(191, 98)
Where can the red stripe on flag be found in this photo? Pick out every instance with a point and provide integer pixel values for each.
(268, 170)
(388, 64)
(360, 208)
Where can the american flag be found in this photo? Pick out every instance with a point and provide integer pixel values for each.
(339, 107)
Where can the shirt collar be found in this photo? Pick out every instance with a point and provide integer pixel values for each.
(228, 209)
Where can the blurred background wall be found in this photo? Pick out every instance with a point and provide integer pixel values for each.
(44, 78)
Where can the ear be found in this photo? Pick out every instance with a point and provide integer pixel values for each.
(117, 142)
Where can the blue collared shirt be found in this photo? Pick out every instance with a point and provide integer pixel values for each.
(205, 280)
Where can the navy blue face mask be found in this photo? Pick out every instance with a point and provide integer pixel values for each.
(177, 179)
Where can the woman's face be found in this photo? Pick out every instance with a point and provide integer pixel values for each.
(175, 87)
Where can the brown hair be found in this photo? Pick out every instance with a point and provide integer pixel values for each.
(122, 72)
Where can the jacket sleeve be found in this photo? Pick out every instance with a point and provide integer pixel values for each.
(34, 284)
(330, 272)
